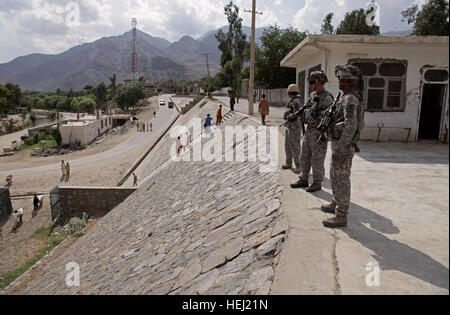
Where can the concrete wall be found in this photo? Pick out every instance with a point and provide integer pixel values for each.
(86, 132)
(95, 201)
(5, 204)
(275, 97)
(417, 56)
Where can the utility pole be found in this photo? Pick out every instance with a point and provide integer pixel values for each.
(207, 65)
(251, 98)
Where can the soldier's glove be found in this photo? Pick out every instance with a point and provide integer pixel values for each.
(315, 114)
(316, 99)
(292, 118)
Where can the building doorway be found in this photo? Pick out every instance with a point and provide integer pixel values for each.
(431, 111)
(434, 105)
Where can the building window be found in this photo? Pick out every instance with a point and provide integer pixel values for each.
(384, 84)
(436, 75)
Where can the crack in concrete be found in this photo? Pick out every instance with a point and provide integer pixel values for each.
(337, 285)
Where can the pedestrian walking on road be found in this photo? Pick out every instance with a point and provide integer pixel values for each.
(238, 96)
(137, 126)
(219, 116)
(232, 101)
(135, 180)
(16, 219)
(264, 109)
(151, 127)
(63, 169)
(179, 145)
(35, 202)
(20, 213)
(68, 171)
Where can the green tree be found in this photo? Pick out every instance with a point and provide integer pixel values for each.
(5, 96)
(433, 19)
(83, 104)
(113, 85)
(100, 93)
(327, 27)
(276, 43)
(15, 95)
(129, 96)
(232, 45)
(354, 23)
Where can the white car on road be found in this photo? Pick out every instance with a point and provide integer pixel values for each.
(162, 102)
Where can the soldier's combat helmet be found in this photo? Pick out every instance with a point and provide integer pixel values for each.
(293, 89)
(318, 76)
(348, 72)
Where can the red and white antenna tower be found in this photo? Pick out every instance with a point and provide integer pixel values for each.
(134, 60)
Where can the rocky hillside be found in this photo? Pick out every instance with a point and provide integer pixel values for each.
(92, 63)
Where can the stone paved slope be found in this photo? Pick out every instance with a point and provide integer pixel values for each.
(191, 228)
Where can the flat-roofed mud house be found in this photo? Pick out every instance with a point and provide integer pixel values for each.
(405, 80)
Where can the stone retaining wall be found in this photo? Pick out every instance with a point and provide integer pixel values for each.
(95, 201)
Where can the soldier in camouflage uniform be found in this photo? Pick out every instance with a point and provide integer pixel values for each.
(293, 129)
(313, 152)
(348, 122)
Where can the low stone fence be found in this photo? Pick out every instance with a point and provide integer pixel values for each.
(191, 104)
(94, 201)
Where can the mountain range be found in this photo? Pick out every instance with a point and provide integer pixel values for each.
(93, 63)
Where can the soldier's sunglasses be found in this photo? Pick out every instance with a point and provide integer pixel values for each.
(312, 82)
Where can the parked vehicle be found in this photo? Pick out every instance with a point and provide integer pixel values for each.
(162, 102)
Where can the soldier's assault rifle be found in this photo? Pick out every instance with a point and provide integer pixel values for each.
(327, 119)
(295, 116)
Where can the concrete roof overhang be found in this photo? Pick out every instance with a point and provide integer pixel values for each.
(315, 43)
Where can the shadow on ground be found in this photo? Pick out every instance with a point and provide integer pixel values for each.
(390, 254)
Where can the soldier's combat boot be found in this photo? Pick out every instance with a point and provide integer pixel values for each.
(297, 170)
(335, 222)
(300, 184)
(329, 208)
(287, 166)
(314, 187)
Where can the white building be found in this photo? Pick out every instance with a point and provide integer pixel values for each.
(405, 80)
(84, 132)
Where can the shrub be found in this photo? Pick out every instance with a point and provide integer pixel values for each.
(76, 225)
(33, 117)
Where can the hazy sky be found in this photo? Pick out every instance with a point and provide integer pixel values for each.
(50, 26)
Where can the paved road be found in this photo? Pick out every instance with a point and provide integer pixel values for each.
(143, 139)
